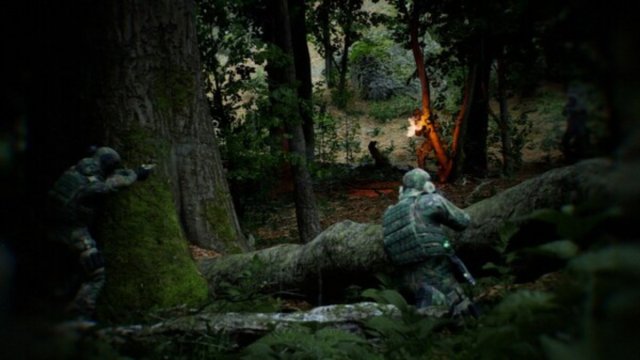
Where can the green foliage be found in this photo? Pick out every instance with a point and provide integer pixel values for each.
(407, 336)
(393, 108)
(606, 286)
(341, 97)
(305, 343)
(327, 144)
(548, 108)
(41, 342)
(336, 134)
(376, 68)
(225, 45)
(187, 347)
(233, 55)
(575, 229)
(350, 135)
(334, 26)
(572, 222)
(244, 295)
(511, 329)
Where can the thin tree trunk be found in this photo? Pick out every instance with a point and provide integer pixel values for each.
(344, 63)
(425, 95)
(306, 211)
(303, 73)
(454, 167)
(475, 142)
(324, 10)
(505, 120)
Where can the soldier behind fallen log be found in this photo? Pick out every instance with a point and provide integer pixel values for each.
(416, 243)
(575, 140)
(73, 202)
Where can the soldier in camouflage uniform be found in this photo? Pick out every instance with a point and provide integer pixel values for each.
(415, 242)
(72, 205)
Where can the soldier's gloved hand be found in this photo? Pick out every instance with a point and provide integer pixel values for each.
(144, 171)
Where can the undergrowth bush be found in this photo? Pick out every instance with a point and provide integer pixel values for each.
(589, 312)
(393, 108)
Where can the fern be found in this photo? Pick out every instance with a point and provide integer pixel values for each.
(303, 343)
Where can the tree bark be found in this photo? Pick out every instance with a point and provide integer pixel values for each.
(505, 121)
(303, 73)
(475, 143)
(351, 253)
(454, 167)
(152, 109)
(418, 56)
(324, 10)
(284, 79)
(344, 63)
(141, 94)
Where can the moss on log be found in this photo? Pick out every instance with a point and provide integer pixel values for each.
(318, 267)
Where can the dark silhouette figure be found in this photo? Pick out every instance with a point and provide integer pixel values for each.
(575, 141)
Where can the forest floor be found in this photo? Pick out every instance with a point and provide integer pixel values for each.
(362, 194)
(363, 198)
(356, 191)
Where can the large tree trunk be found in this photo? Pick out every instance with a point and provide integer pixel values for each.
(134, 80)
(155, 111)
(352, 253)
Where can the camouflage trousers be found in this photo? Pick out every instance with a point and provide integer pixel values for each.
(83, 246)
(433, 284)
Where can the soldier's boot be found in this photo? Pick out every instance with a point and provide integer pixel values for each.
(461, 305)
(428, 296)
(84, 304)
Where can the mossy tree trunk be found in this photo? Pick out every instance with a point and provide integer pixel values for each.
(151, 108)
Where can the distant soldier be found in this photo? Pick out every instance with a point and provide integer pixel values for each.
(418, 127)
(575, 141)
(73, 201)
(415, 242)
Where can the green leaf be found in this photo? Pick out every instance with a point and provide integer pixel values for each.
(563, 249)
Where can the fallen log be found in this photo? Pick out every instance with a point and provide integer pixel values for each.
(345, 253)
(232, 323)
(352, 253)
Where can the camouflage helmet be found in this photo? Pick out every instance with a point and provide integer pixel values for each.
(107, 158)
(88, 166)
(415, 179)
